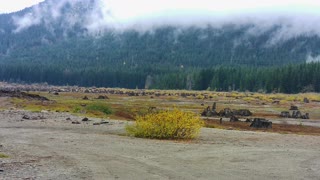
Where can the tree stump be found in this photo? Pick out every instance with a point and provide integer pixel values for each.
(261, 123)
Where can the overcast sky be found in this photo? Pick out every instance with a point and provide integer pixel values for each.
(16, 5)
(137, 8)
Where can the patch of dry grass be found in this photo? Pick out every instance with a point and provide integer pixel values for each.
(3, 155)
(277, 128)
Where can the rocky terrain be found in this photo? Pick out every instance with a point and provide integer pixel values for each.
(52, 147)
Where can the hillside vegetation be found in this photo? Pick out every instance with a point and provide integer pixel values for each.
(166, 58)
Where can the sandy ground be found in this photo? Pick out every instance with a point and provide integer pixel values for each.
(53, 148)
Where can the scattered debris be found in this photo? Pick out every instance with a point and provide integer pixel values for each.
(104, 122)
(101, 122)
(248, 120)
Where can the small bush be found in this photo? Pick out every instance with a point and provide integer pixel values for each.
(99, 107)
(174, 124)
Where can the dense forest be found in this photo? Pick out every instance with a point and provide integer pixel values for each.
(287, 79)
(225, 58)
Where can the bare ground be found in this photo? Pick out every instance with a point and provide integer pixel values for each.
(54, 148)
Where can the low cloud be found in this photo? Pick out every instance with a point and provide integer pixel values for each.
(98, 16)
(311, 59)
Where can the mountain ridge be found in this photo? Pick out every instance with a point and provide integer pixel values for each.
(53, 36)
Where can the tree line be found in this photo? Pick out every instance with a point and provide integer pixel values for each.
(286, 79)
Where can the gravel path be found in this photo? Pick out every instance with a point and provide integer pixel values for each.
(54, 148)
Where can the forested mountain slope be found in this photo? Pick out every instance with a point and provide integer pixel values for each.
(59, 49)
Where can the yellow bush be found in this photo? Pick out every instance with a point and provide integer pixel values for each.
(173, 124)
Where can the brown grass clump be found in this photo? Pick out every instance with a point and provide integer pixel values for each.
(175, 124)
(277, 128)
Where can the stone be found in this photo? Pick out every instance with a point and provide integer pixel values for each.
(306, 100)
(68, 119)
(75, 122)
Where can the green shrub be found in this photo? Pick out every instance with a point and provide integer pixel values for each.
(99, 107)
(173, 124)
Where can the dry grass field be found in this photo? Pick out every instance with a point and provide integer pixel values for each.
(125, 107)
(39, 139)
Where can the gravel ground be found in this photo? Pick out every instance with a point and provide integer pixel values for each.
(51, 147)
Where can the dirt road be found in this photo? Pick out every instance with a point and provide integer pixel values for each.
(53, 148)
